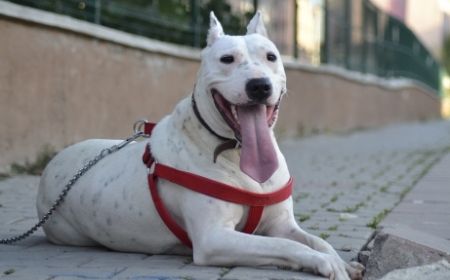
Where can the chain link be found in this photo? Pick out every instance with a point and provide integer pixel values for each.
(103, 153)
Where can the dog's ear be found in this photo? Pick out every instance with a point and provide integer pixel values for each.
(215, 29)
(256, 25)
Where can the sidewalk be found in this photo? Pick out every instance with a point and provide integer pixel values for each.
(427, 207)
(345, 184)
(415, 236)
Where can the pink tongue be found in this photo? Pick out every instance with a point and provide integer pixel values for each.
(258, 156)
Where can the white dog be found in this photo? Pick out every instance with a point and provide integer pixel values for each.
(239, 86)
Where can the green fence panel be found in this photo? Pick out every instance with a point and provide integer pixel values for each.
(362, 38)
(357, 35)
(178, 21)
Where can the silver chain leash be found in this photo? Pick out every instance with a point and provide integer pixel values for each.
(137, 127)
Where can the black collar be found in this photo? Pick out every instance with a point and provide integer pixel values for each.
(229, 142)
(202, 121)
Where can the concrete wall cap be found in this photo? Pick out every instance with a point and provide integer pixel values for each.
(363, 78)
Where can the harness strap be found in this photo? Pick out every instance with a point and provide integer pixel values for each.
(220, 190)
(253, 218)
(206, 186)
(170, 222)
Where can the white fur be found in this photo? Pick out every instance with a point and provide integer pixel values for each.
(111, 204)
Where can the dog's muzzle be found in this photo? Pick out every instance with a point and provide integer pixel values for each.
(251, 123)
(229, 111)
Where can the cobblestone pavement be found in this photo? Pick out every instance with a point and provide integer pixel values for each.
(345, 184)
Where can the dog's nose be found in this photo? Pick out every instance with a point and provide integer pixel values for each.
(258, 89)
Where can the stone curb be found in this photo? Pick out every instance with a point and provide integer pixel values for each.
(436, 271)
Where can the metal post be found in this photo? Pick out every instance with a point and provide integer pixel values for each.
(295, 35)
(255, 6)
(324, 52)
(347, 33)
(195, 27)
(98, 11)
(365, 36)
(379, 53)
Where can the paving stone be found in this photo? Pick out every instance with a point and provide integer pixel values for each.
(169, 267)
(250, 273)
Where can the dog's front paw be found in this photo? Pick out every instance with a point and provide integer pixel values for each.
(332, 267)
(355, 270)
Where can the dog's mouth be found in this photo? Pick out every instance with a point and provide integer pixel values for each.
(230, 111)
(251, 123)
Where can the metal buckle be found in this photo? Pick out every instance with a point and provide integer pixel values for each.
(138, 126)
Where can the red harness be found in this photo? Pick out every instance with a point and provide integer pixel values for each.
(196, 183)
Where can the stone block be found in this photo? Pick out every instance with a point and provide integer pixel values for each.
(402, 247)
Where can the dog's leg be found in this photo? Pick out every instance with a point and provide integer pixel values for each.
(292, 231)
(215, 242)
(285, 226)
(226, 247)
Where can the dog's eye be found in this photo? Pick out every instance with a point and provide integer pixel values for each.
(227, 59)
(271, 57)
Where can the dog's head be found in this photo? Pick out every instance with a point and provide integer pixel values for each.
(240, 85)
